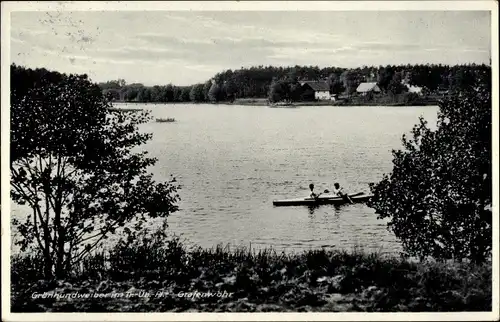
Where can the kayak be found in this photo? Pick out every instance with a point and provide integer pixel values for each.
(323, 200)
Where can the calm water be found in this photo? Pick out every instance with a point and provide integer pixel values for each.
(232, 161)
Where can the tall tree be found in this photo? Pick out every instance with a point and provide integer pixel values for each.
(230, 90)
(73, 164)
(169, 93)
(177, 94)
(350, 80)
(279, 91)
(395, 85)
(185, 94)
(295, 91)
(144, 95)
(196, 94)
(206, 89)
(461, 78)
(439, 194)
(335, 83)
(155, 94)
(385, 75)
(214, 92)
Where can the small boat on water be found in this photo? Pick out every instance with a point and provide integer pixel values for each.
(323, 200)
(282, 104)
(167, 120)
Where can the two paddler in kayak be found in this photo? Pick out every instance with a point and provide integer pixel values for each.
(337, 191)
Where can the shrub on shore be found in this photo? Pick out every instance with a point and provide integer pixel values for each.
(438, 196)
(254, 280)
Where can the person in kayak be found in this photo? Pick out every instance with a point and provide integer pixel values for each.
(339, 191)
(313, 194)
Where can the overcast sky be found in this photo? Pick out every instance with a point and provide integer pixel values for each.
(182, 48)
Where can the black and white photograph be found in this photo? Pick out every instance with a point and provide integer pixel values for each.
(245, 157)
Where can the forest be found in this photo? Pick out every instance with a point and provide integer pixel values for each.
(282, 83)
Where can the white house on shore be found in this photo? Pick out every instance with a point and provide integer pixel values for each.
(365, 88)
(321, 89)
(414, 89)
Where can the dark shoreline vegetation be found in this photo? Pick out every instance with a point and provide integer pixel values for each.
(73, 166)
(283, 84)
(265, 102)
(159, 276)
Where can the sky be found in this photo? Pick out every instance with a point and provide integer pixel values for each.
(187, 47)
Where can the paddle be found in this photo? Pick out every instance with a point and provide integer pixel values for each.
(345, 196)
(315, 197)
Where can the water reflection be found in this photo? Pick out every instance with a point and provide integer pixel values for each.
(314, 208)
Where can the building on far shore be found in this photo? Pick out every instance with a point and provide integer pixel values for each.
(414, 89)
(365, 88)
(321, 89)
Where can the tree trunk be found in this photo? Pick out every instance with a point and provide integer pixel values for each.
(58, 227)
(46, 255)
(60, 267)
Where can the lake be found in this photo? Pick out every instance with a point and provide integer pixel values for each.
(233, 161)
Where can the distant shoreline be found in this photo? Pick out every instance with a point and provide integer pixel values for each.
(263, 102)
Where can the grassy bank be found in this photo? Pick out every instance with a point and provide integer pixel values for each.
(147, 278)
(125, 109)
(354, 101)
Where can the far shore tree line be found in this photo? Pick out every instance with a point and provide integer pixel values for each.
(283, 83)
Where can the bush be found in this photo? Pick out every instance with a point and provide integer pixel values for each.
(261, 280)
(409, 98)
(152, 254)
(26, 268)
(438, 194)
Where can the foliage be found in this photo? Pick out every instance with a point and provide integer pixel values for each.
(255, 82)
(335, 83)
(351, 80)
(196, 94)
(296, 91)
(25, 79)
(395, 86)
(230, 90)
(214, 93)
(279, 91)
(73, 165)
(206, 89)
(385, 76)
(144, 95)
(147, 252)
(260, 280)
(185, 94)
(439, 192)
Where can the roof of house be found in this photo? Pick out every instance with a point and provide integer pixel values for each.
(366, 87)
(414, 89)
(317, 86)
